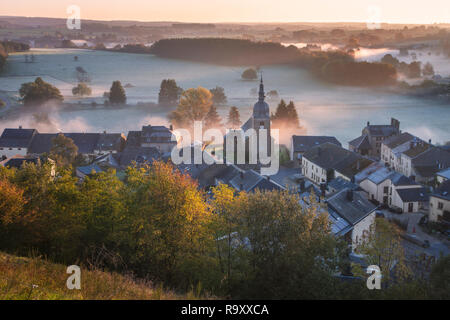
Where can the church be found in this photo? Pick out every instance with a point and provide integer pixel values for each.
(260, 119)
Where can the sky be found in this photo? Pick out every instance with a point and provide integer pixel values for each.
(391, 11)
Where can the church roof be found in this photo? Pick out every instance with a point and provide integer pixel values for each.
(261, 108)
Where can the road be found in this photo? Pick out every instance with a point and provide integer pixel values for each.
(437, 247)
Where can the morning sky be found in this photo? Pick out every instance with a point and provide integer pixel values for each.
(393, 11)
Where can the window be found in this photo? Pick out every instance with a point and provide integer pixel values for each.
(440, 205)
(386, 189)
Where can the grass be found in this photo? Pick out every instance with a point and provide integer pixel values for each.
(38, 279)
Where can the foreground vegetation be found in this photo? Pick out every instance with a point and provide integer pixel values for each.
(38, 279)
(157, 225)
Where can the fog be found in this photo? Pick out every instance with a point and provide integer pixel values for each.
(323, 109)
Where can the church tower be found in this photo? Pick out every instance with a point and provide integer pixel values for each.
(261, 116)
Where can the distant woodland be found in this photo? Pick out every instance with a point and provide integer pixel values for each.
(333, 66)
(7, 47)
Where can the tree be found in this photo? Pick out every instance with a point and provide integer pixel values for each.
(218, 95)
(82, 89)
(428, 69)
(292, 115)
(249, 74)
(194, 106)
(63, 150)
(170, 224)
(212, 119)
(117, 93)
(287, 250)
(382, 247)
(169, 92)
(39, 92)
(234, 120)
(440, 278)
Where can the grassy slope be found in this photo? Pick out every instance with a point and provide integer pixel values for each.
(37, 279)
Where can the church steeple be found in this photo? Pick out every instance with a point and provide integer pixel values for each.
(261, 90)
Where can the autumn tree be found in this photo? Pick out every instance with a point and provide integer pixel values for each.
(169, 232)
(39, 92)
(287, 250)
(382, 247)
(63, 150)
(117, 93)
(194, 106)
(234, 120)
(428, 69)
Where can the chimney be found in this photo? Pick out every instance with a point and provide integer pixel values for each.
(171, 128)
(104, 131)
(429, 141)
(368, 123)
(350, 195)
(323, 188)
(302, 185)
(241, 174)
(20, 127)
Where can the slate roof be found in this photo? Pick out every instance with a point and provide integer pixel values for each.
(352, 164)
(381, 130)
(304, 143)
(397, 140)
(339, 183)
(42, 143)
(444, 173)
(413, 194)
(87, 170)
(418, 149)
(17, 138)
(401, 180)
(156, 134)
(18, 162)
(443, 191)
(110, 141)
(86, 142)
(327, 155)
(353, 211)
(139, 155)
(362, 142)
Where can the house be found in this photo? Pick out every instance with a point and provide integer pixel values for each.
(356, 212)
(88, 144)
(327, 161)
(392, 148)
(439, 209)
(369, 143)
(395, 190)
(443, 176)
(18, 161)
(16, 142)
(83, 172)
(339, 184)
(301, 144)
(424, 166)
(137, 155)
(158, 137)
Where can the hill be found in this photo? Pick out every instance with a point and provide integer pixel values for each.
(37, 279)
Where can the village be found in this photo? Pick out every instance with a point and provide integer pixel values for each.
(384, 173)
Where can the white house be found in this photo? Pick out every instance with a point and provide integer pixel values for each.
(395, 190)
(15, 142)
(440, 203)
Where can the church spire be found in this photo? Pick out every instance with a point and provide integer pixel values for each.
(261, 90)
